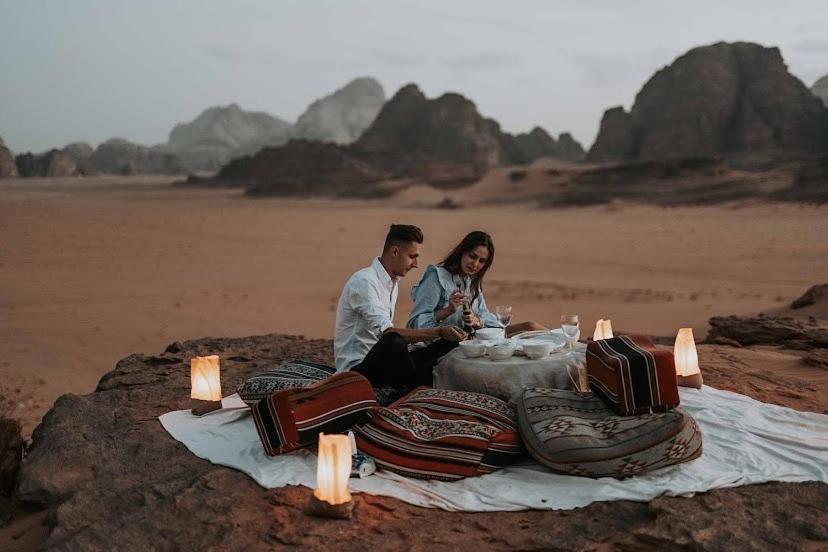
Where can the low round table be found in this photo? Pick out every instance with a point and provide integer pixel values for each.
(506, 379)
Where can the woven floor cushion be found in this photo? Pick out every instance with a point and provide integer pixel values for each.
(288, 375)
(580, 435)
(632, 375)
(440, 434)
(293, 418)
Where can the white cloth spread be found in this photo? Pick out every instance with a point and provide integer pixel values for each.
(745, 442)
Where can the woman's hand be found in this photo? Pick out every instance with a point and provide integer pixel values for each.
(471, 319)
(456, 299)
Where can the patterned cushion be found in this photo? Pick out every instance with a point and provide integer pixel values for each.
(440, 434)
(293, 418)
(289, 375)
(579, 435)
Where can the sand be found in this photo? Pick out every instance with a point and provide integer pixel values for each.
(92, 270)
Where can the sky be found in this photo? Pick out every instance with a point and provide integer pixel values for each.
(88, 70)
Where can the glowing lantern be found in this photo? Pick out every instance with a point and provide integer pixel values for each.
(687, 359)
(205, 383)
(205, 379)
(603, 330)
(333, 469)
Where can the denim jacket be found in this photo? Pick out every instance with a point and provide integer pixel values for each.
(432, 293)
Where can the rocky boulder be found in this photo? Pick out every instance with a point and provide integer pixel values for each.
(53, 163)
(115, 480)
(343, 116)
(820, 89)
(720, 99)
(791, 333)
(8, 168)
(815, 294)
(119, 156)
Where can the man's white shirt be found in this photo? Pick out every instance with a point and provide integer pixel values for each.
(365, 310)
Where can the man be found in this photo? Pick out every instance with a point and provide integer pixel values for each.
(365, 339)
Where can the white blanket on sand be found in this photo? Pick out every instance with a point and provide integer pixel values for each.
(745, 441)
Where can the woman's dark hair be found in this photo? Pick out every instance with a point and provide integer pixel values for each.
(473, 240)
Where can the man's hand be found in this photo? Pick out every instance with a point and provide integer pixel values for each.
(451, 333)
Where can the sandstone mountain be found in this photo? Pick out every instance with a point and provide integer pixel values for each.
(8, 168)
(538, 143)
(119, 156)
(343, 116)
(220, 134)
(81, 153)
(820, 89)
(444, 141)
(441, 140)
(720, 99)
(52, 163)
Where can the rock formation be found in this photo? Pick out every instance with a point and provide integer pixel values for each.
(303, 168)
(444, 140)
(720, 99)
(81, 153)
(538, 143)
(115, 480)
(53, 163)
(8, 168)
(220, 133)
(788, 332)
(820, 89)
(119, 156)
(343, 116)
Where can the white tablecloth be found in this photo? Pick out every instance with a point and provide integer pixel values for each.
(506, 379)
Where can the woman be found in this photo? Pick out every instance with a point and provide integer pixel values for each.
(443, 289)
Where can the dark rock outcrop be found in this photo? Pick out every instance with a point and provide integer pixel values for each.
(119, 156)
(787, 332)
(814, 295)
(538, 143)
(303, 168)
(8, 168)
(820, 89)
(115, 480)
(726, 98)
(53, 163)
(343, 116)
(569, 149)
(442, 140)
(11, 454)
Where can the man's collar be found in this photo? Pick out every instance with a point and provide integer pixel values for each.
(384, 277)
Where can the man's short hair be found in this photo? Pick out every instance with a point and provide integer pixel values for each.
(401, 234)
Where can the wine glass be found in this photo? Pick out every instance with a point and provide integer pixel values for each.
(504, 314)
(569, 326)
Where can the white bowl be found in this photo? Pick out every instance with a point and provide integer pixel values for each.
(500, 351)
(538, 349)
(472, 349)
(490, 334)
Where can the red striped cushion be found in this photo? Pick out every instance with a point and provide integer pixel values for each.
(631, 375)
(441, 434)
(293, 418)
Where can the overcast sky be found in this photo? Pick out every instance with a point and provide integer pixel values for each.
(90, 70)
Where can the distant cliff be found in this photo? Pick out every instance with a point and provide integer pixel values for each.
(719, 99)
